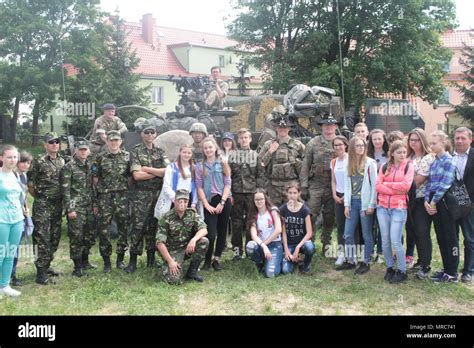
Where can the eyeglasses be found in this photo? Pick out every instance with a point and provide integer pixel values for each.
(413, 140)
(149, 132)
(54, 141)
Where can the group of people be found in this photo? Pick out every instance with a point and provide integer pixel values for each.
(272, 198)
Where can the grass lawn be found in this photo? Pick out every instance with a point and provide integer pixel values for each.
(237, 290)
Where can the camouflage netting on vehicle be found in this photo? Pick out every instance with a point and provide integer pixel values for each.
(302, 94)
(184, 123)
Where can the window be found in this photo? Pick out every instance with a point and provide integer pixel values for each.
(441, 126)
(446, 67)
(221, 61)
(444, 100)
(157, 95)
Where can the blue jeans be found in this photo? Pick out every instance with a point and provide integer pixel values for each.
(273, 266)
(366, 221)
(467, 227)
(391, 222)
(307, 249)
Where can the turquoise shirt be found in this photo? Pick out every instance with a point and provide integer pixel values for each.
(11, 198)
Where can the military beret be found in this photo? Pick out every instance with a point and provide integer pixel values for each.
(108, 106)
(181, 194)
(50, 136)
(113, 134)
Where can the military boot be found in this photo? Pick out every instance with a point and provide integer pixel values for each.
(42, 275)
(77, 268)
(192, 271)
(120, 264)
(132, 265)
(54, 273)
(150, 258)
(85, 262)
(107, 264)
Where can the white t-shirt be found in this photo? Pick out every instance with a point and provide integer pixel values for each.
(182, 183)
(265, 227)
(340, 169)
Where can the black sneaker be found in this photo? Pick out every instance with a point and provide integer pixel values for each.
(398, 277)
(437, 275)
(446, 278)
(363, 268)
(417, 266)
(216, 265)
(389, 274)
(345, 266)
(466, 278)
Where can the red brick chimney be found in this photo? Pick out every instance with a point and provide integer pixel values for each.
(148, 26)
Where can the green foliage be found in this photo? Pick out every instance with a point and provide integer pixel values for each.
(387, 46)
(106, 76)
(466, 108)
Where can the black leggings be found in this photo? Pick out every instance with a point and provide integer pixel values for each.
(419, 225)
(447, 237)
(217, 226)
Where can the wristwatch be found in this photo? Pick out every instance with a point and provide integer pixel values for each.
(222, 202)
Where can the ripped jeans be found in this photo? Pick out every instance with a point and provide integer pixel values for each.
(273, 266)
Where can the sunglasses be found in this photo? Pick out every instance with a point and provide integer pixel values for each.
(55, 141)
(149, 132)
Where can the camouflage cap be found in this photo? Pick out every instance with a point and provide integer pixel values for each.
(147, 125)
(50, 136)
(108, 106)
(328, 119)
(181, 194)
(82, 144)
(113, 134)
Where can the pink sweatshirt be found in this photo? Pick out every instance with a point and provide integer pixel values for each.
(392, 187)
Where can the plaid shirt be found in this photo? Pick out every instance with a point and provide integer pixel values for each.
(441, 177)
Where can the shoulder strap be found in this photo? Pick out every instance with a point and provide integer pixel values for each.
(333, 164)
(175, 177)
(384, 168)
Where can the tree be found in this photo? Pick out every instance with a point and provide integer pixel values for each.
(107, 77)
(31, 34)
(386, 46)
(466, 108)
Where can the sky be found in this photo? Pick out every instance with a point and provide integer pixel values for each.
(207, 15)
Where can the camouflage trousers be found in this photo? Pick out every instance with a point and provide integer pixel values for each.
(143, 222)
(320, 199)
(180, 257)
(276, 193)
(239, 212)
(113, 204)
(81, 232)
(47, 217)
(213, 99)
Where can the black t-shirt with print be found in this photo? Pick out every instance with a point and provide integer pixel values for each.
(295, 223)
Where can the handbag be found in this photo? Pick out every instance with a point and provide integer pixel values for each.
(457, 200)
(163, 205)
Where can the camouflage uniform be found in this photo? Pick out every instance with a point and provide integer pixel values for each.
(247, 175)
(213, 99)
(145, 197)
(44, 177)
(198, 156)
(112, 171)
(282, 166)
(76, 182)
(97, 144)
(316, 177)
(176, 233)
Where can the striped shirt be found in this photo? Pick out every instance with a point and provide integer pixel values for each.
(441, 177)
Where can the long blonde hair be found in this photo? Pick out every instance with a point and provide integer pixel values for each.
(355, 164)
(225, 165)
(423, 139)
(180, 166)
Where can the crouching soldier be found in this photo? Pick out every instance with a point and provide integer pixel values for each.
(181, 235)
(76, 182)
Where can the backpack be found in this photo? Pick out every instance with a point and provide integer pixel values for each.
(411, 194)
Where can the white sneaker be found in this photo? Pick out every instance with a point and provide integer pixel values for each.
(380, 259)
(8, 291)
(340, 260)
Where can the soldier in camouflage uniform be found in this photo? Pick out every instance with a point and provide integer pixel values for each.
(181, 235)
(44, 186)
(198, 131)
(247, 176)
(107, 122)
(147, 164)
(316, 177)
(77, 190)
(216, 95)
(282, 158)
(111, 171)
